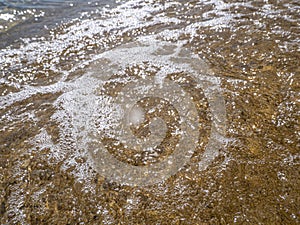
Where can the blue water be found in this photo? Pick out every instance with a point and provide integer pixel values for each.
(30, 18)
(38, 4)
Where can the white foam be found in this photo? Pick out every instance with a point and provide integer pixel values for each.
(6, 16)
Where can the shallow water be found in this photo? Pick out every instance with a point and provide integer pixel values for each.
(149, 112)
